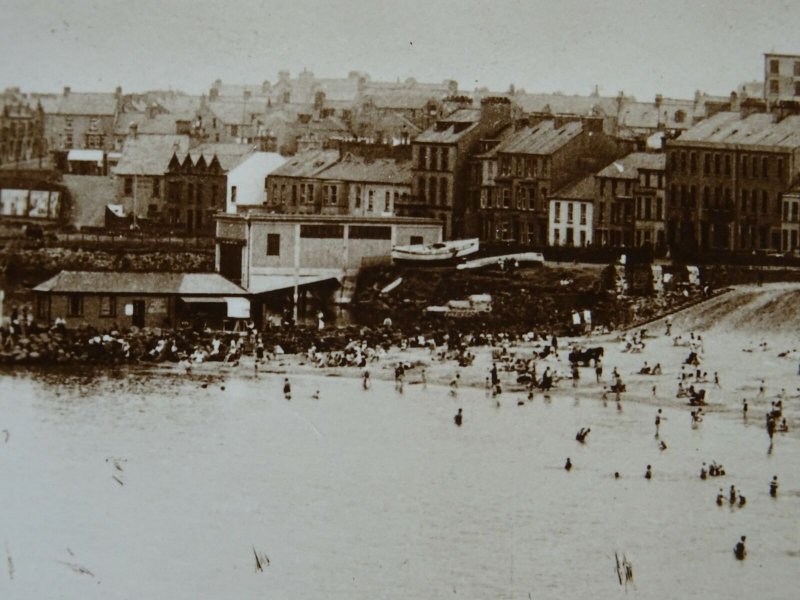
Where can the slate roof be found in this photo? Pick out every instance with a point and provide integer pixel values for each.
(307, 164)
(543, 138)
(402, 99)
(582, 189)
(449, 130)
(565, 104)
(149, 154)
(228, 155)
(172, 284)
(755, 130)
(78, 103)
(628, 167)
(353, 168)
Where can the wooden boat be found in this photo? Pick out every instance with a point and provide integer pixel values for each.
(523, 258)
(435, 253)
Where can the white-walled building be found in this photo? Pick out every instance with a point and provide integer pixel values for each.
(571, 214)
(246, 185)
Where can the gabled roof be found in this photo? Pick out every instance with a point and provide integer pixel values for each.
(564, 104)
(162, 124)
(149, 154)
(758, 129)
(78, 103)
(236, 112)
(628, 167)
(544, 138)
(228, 155)
(583, 189)
(172, 284)
(357, 169)
(672, 114)
(452, 128)
(402, 99)
(307, 164)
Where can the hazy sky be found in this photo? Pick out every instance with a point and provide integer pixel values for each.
(642, 47)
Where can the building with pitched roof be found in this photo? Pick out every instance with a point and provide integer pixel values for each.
(81, 120)
(337, 182)
(571, 211)
(725, 181)
(630, 203)
(21, 128)
(118, 300)
(140, 173)
(781, 78)
(441, 164)
(535, 161)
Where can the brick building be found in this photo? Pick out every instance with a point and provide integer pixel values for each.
(532, 163)
(441, 160)
(338, 182)
(630, 201)
(725, 180)
(21, 128)
(81, 120)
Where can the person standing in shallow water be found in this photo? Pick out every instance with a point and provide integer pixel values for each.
(568, 464)
(458, 419)
(658, 421)
(739, 551)
(773, 487)
(648, 474)
(287, 388)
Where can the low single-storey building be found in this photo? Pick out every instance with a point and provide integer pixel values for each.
(113, 300)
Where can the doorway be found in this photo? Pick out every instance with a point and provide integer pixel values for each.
(138, 313)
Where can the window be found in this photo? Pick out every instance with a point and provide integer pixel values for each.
(234, 130)
(754, 166)
(773, 86)
(765, 167)
(416, 239)
(727, 164)
(330, 194)
(432, 190)
(531, 198)
(506, 198)
(693, 162)
(706, 163)
(422, 157)
(780, 168)
(358, 193)
(128, 186)
(764, 201)
(797, 68)
(74, 305)
(717, 164)
(583, 215)
(108, 306)
(444, 159)
(309, 195)
(370, 200)
(774, 66)
(369, 232)
(556, 212)
(570, 209)
(273, 244)
(443, 197)
(745, 160)
(321, 231)
(659, 207)
(233, 193)
(387, 202)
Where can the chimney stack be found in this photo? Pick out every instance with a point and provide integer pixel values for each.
(67, 90)
(134, 130)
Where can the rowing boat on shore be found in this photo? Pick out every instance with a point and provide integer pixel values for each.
(522, 258)
(435, 253)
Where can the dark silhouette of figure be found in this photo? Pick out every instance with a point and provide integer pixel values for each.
(458, 418)
(739, 551)
(568, 464)
(648, 474)
(773, 487)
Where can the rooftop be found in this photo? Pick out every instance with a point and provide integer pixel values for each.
(307, 164)
(149, 154)
(264, 214)
(228, 155)
(78, 103)
(172, 284)
(578, 190)
(628, 167)
(759, 129)
(385, 170)
(543, 138)
(452, 128)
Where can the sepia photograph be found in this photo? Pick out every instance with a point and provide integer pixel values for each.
(402, 299)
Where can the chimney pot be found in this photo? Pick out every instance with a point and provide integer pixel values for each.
(67, 90)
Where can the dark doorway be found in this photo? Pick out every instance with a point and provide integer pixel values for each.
(230, 262)
(138, 313)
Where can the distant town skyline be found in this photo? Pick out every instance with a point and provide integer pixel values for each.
(640, 47)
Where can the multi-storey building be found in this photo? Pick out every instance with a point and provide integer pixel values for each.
(440, 162)
(725, 180)
(790, 226)
(571, 211)
(196, 186)
(21, 128)
(335, 183)
(140, 173)
(534, 162)
(781, 78)
(81, 120)
(630, 201)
